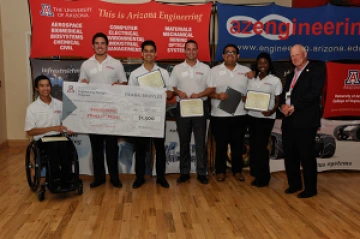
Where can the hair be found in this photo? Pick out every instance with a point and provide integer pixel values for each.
(39, 78)
(148, 43)
(191, 41)
(231, 45)
(267, 57)
(102, 35)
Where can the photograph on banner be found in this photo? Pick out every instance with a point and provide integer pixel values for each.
(66, 26)
(332, 35)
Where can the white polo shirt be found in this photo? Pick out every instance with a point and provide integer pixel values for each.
(191, 79)
(142, 70)
(224, 78)
(41, 115)
(270, 84)
(108, 72)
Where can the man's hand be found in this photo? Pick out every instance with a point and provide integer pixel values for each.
(250, 74)
(243, 98)
(266, 113)
(287, 110)
(195, 96)
(85, 81)
(182, 94)
(223, 96)
(116, 83)
(60, 128)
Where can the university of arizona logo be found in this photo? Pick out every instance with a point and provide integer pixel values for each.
(353, 78)
(46, 10)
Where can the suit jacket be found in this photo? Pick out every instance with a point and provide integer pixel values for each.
(305, 97)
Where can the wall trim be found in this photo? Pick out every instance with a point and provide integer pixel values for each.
(14, 143)
(4, 145)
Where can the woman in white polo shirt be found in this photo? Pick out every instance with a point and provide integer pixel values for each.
(261, 123)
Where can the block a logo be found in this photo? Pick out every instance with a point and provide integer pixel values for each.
(352, 78)
(46, 10)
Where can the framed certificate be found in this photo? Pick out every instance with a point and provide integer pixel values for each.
(232, 102)
(191, 108)
(258, 101)
(152, 79)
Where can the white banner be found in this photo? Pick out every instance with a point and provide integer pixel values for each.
(114, 110)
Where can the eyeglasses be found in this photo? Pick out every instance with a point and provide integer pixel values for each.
(230, 53)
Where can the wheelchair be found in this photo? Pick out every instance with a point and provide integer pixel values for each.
(38, 165)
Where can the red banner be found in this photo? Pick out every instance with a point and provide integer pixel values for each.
(63, 28)
(342, 90)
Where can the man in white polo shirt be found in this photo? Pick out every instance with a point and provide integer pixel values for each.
(103, 69)
(192, 79)
(43, 118)
(229, 128)
(148, 52)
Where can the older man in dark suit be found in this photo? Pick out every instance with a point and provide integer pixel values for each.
(300, 104)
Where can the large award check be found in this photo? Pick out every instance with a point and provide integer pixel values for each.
(114, 110)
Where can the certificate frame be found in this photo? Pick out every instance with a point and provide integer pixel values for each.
(151, 79)
(257, 101)
(191, 108)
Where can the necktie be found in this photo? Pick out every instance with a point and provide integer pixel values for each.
(295, 78)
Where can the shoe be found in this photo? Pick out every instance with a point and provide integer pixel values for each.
(220, 177)
(138, 182)
(95, 184)
(262, 184)
(254, 182)
(183, 178)
(202, 179)
(117, 184)
(239, 176)
(163, 182)
(305, 194)
(292, 190)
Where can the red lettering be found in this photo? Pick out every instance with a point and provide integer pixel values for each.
(329, 28)
(235, 27)
(248, 25)
(258, 28)
(316, 28)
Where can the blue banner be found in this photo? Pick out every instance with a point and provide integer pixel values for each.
(327, 32)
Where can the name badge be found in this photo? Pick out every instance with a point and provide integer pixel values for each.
(288, 97)
(184, 74)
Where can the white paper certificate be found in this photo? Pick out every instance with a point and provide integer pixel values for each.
(191, 108)
(258, 101)
(114, 110)
(152, 79)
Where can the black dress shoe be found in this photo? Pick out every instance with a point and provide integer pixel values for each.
(292, 190)
(95, 184)
(305, 194)
(262, 184)
(183, 178)
(202, 179)
(163, 182)
(117, 184)
(254, 182)
(138, 182)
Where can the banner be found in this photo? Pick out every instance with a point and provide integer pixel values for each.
(327, 32)
(66, 28)
(342, 90)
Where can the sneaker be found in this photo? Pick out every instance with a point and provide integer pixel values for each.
(163, 182)
(183, 178)
(138, 182)
(202, 179)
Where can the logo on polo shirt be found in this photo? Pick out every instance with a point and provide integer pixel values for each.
(199, 73)
(57, 111)
(110, 67)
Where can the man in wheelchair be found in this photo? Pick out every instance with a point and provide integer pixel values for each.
(43, 119)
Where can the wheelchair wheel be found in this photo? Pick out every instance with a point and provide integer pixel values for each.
(33, 166)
